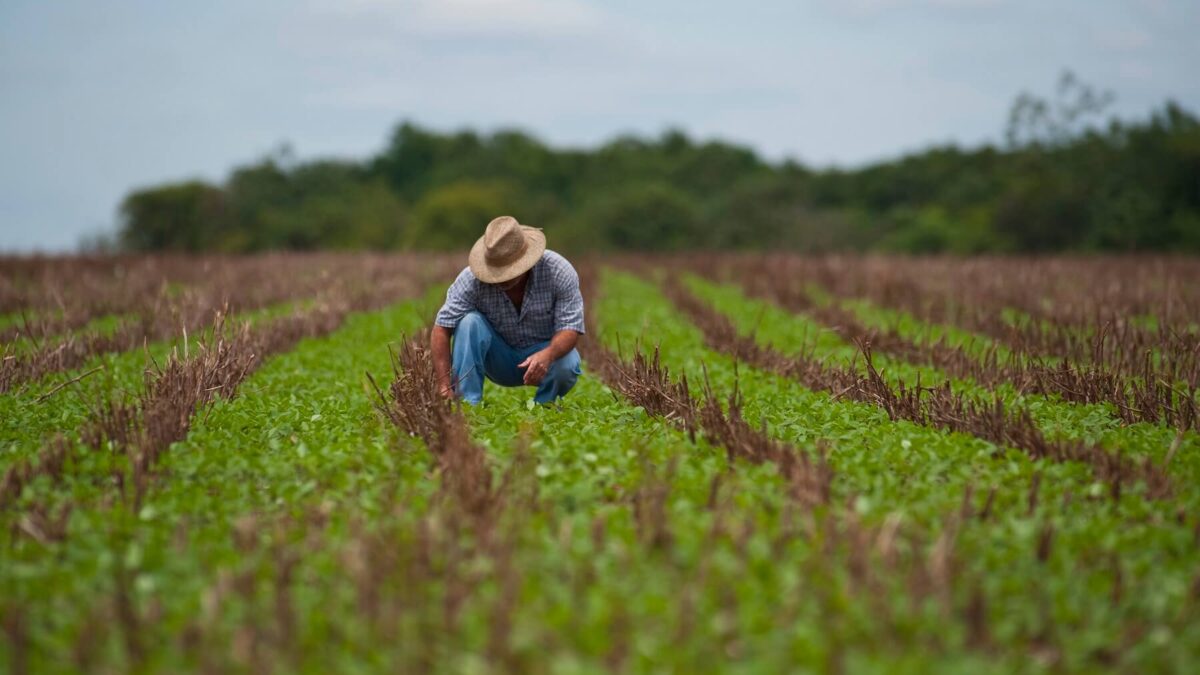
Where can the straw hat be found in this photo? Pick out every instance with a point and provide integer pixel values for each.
(506, 250)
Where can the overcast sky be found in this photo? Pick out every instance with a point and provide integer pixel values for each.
(100, 97)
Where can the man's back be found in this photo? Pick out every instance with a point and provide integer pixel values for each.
(552, 303)
(514, 315)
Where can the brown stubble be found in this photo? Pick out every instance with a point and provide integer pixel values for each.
(143, 290)
(415, 574)
(475, 515)
(878, 556)
(938, 407)
(645, 382)
(189, 381)
(178, 390)
(416, 407)
(1084, 357)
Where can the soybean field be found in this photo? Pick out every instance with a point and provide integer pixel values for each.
(772, 463)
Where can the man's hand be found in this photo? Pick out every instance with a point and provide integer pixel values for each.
(536, 366)
(538, 363)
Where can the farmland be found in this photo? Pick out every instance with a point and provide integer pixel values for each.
(771, 464)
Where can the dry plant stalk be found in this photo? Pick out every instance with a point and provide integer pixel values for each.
(938, 407)
(1092, 353)
(415, 405)
(144, 290)
(646, 382)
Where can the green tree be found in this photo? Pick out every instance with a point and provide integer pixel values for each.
(455, 215)
(177, 217)
(1062, 182)
(652, 217)
(350, 217)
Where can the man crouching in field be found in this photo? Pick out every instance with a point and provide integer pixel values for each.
(515, 314)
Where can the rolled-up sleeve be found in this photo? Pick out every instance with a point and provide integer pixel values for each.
(568, 301)
(460, 299)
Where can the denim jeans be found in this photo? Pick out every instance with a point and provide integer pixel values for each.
(478, 351)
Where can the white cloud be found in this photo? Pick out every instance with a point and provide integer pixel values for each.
(462, 59)
(830, 80)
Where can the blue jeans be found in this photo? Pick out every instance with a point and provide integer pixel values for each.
(479, 351)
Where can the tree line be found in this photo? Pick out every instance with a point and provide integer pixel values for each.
(1064, 179)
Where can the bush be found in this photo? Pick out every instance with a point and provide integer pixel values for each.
(651, 217)
(455, 215)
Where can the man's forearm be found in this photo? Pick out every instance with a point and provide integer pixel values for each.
(439, 345)
(562, 343)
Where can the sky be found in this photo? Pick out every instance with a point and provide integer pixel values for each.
(98, 98)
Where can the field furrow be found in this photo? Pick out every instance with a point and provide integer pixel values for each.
(122, 439)
(732, 485)
(171, 310)
(1105, 366)
(1144, 446)
(1087, 316)
(628, 490)
(1047, 513)
(303, 432)
(61, 403)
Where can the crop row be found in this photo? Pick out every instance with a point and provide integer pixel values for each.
(642, 524)
(988, 294)
(148, 305)
(1152, 390)
(125, 576)
(422, 579)
(140, 429)
(937, 406)
(44, 296)
(1036, 314)
(1083, 540)
(797, 335)
(614, 545)
(63, 400)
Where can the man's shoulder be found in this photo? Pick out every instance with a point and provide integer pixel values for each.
(465, 279)
(556, 260)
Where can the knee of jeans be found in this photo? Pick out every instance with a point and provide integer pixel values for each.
(471, 323)
(566, 368)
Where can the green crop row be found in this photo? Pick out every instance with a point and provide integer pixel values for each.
(302, 431)
(898, 469)
(705, 596)
(23, 344)
(294, 530)
(726, 584)
(1091, 423)
(33, 412)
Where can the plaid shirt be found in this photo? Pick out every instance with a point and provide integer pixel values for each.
(552, 303)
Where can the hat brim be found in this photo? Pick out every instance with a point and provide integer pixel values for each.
(535, 246)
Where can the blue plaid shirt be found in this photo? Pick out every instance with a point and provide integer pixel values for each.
(552, 303)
